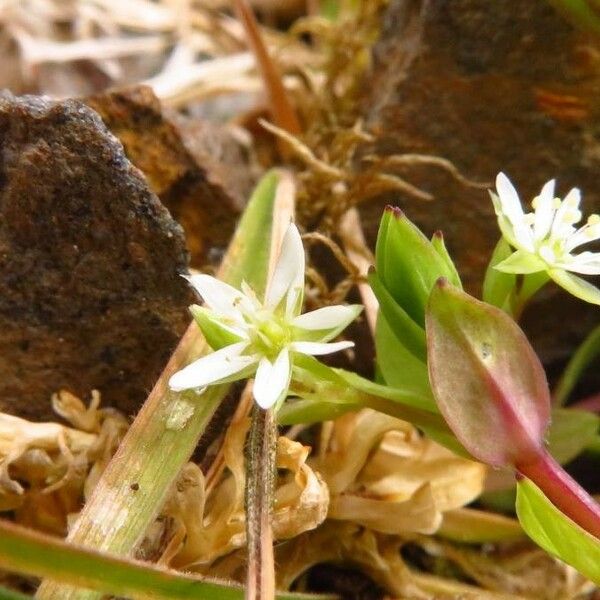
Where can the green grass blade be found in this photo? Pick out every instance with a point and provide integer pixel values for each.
(32, 553)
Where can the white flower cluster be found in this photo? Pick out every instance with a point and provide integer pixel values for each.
(546, 238)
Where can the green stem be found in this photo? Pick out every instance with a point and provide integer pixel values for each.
(260, 475)
(531, 284)
(583, 356)
(31, 553)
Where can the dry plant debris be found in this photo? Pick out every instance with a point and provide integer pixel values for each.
(46, 468)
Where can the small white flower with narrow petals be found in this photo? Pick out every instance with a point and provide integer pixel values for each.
(546, 238)
(261, 338)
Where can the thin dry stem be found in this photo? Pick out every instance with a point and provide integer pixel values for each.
(260, 468)
(283, 113)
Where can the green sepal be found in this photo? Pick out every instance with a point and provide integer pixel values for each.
(216, 333)
(521, 262)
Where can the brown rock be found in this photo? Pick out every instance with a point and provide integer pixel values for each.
(198, 170)
(90, 292)
(491, 86)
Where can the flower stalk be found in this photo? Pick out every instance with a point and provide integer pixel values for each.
(260, 477)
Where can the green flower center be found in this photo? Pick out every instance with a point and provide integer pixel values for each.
(270, 335)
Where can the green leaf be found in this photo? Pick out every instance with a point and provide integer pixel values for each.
(217, 334)
(579, 361)
(498, 286)
(437, 241)
(399, 367)
(571, 432)
(406, 331)
(407, 263)
(32, 553)
(556, 533)
(487, 381)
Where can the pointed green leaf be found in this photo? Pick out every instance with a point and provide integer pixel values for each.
(407, 263)
(437, 241)
(407, 332)
(556, 533)
(399, 367)
(486, 378)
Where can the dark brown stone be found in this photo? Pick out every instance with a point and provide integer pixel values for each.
(198, 170)
(491, 86)
(90, 292)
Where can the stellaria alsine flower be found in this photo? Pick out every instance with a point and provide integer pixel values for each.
(260, 338)
(546, 238)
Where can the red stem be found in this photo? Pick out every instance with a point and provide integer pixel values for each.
(563, 491)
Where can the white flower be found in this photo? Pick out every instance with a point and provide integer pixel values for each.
(261, 338)
(546, 238)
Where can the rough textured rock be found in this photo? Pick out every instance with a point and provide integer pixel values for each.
(491, 86)
(90, 292)
(198, 170)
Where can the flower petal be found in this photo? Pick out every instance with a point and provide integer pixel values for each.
(272, 379)
(521, 262)
(221, 297)
(586, 263)
(590, 232)
(566, 215)
(212, 368)
(580, 288)
(329, 321)
(318, 348)
(544, 211)
(509, 199)
(288, 276)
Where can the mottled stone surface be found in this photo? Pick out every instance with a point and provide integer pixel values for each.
(90, 292)
(491, 86)
(199, 170)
